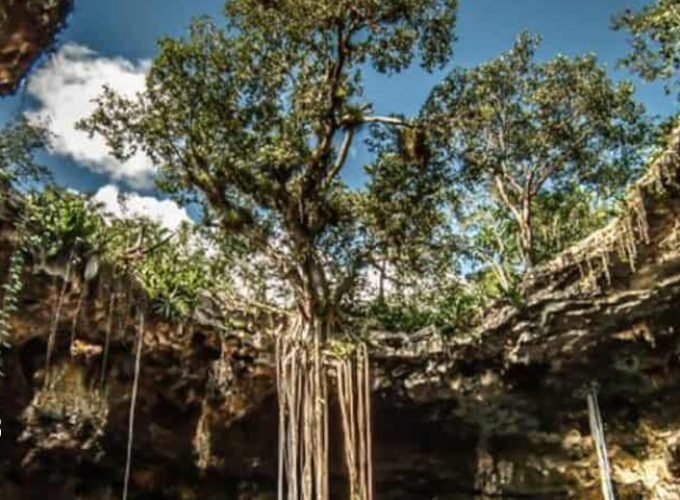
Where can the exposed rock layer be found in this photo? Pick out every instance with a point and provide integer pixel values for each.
(27, 29)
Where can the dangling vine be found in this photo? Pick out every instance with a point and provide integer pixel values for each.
(57, 315)
(109, 330)
(133, 403)
(11, 290)
(76, 316)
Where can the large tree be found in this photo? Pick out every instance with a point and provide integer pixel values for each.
(519, 129)
(255, 121)
(655, 40)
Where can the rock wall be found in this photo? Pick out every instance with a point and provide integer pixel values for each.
(446, 426)
(498, 413)
(27, 29)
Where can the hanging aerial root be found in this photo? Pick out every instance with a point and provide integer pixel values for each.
(302, 387)
(354, 396)
(76, 317)
(303, 417)
(51, 340)
(639, 212)
(109, 331)
(597, 431)
(133, 404)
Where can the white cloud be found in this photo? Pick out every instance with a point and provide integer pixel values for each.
(166, 212)
(65, 87)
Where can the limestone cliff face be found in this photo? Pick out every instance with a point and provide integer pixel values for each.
(27, 29)
(499, 413)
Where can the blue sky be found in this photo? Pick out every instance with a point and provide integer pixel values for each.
(114, 38)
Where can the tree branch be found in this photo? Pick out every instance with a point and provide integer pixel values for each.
(389, 120)
(342, 157)
(551, 167)
(137, 252)
(506, 200)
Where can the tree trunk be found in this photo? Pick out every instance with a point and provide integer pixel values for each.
(527, 234)
(522, 214)
(381, 283)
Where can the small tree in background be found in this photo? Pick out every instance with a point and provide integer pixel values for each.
(522, 130)
(255, 122)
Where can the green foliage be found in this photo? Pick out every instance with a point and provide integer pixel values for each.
(172, 268)
(343, 347)
(493, 249)
(522, 130)
(175, 275)
(567, 216)
(508, 163)
(18, 169)
(406, 209)
(454, 309)
(561, 218)
(65, 223)
(19, 141)
(655, 32)
(255, 121)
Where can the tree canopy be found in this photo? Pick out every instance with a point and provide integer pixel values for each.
(255, 120)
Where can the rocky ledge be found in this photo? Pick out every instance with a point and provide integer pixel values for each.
(27, 29)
